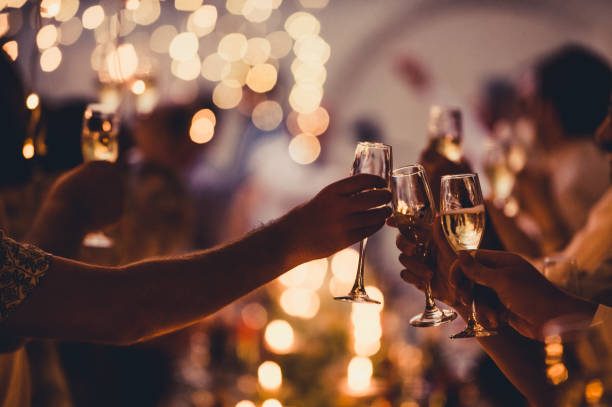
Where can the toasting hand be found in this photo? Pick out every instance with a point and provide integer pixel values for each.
(341, 214)
(530, 299)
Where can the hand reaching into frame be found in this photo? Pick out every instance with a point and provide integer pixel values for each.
(341, 214)
(529, 298)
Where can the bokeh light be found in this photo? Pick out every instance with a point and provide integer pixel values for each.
(308, 72)
(12, 49)
(28, 149)
(122, 62)
(593, 391)
(147, 13)
(312, 50)
(258, 51)
(304, 148)
(47, 37)
(32, 101)
(235, 74)
(366, 348)
(49, 8)
(305, 97)
(16, 3)
(227, 97)
(302, 24)
(307, 275)
(279, 336)
(202, 130)
(70, 31)
(4, 24)
(205, 114)
(344, 264)
(184, 47)
(280, 44)
(68, 10)
(93, 17)
(138, 87)
(235, 6)
(359, 374)
(314, 123)
(50, 59)
(245, 403)
(187, 70)
(300, 302)
(161, 38)
(132, 4)
(254, 315)
(314, 3)
(267, 115)
(261, 78)
(213, 67)
(203, 20)
(271, 403)
(187, 5)
(270, 376)
(233, 47)
(257, 11)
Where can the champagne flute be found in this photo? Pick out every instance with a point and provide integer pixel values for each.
(99, 143)
(413, 210)
(370, 158)
(463, 221)
(445, 131)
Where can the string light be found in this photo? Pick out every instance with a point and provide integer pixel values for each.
(47, 37)
(184, 46)
(261, 78)
(359, 374)
(28, 149)
(279, 336)
(50, 59)
(267, 115)
(32, 101)
(93, 17)
(270, 376)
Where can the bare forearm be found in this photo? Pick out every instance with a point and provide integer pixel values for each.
(123, 305)
(521, 361)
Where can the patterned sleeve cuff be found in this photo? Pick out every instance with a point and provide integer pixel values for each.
(22, 266)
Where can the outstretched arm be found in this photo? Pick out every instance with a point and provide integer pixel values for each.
(77, 301)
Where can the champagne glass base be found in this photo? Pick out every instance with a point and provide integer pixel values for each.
(474, 330)
(358, 298)
(433, 317)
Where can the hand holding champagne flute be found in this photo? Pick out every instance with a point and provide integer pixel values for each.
(413, 213)
(370, 158)
(463, 220)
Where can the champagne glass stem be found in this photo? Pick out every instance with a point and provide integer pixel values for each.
(429, 301)
(359, 286)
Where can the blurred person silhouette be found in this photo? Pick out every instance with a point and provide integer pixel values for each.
(524, 298)
(566, 173)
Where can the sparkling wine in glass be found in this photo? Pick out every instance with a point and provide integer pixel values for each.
(370, 158)
(99, 143)
(413, 210)
(445, 130)
(463, 220)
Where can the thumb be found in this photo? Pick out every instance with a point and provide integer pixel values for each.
(477, 272)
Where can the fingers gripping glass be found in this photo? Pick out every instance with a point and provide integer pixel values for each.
(414, 212)
(99, 143)
(370, 158)
(463, 219)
